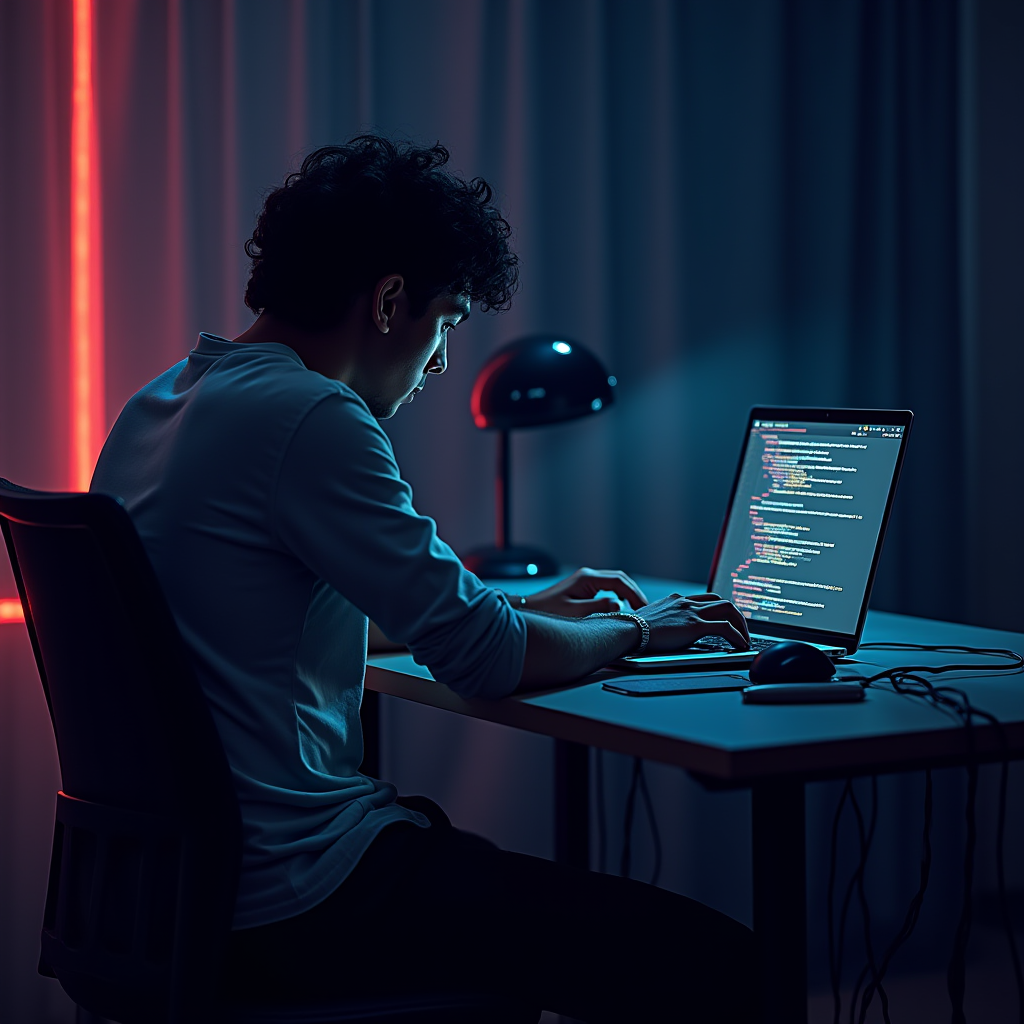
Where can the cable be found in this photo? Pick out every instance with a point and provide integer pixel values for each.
(626, 863)
(894, 645)
(851, 885)
(1004, 775)
(865, 852)
(957, 971)
(914, 910)
(911, 681)
(848, 793)
(645, 793)
(1017, 660)
(959, 700)
(638, 784)
(834, 963)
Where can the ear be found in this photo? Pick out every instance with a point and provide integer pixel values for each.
(385, 300)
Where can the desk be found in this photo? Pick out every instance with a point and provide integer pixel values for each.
(774, 750)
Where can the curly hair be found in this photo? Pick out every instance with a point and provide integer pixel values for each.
(354, 213)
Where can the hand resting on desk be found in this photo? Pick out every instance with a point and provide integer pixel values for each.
(577, 595)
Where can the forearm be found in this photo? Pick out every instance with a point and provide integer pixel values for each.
(559, 650)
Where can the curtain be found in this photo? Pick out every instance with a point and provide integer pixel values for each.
(738, 202)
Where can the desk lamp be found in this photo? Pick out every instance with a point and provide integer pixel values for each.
(530, 382)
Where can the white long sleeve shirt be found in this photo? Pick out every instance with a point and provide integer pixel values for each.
(273, 511)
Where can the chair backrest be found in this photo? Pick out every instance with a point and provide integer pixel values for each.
(147, 836)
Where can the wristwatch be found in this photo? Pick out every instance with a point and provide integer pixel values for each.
(641, 624)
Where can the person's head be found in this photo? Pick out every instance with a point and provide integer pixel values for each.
(357, 215)
(375, 240)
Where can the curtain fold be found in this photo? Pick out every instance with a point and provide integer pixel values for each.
(770, 201)
(731, 203)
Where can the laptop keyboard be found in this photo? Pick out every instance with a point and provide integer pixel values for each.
(715, 644)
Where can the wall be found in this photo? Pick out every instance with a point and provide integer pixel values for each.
(755, 200)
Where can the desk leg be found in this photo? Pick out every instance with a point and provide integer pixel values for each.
(369, 715)
(780, 899)
(572, 804)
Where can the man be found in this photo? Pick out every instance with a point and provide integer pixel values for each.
(270, 503)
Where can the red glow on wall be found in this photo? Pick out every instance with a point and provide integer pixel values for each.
(86, 356)
(11, 610)
(87, 416)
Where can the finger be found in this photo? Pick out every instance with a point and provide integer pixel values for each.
(582, 583)
(564, 587)
(703, 597)
(593, 580)
(597, 604)
(727, 611)
(712, 609)
(629, 590)
(729, 632)
(539, 597)
(663, 602)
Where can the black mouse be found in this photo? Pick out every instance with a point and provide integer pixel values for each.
(791, 661)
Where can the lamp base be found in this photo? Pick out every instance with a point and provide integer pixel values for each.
(515, 563)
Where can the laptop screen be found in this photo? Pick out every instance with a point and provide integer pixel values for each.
(811, 498)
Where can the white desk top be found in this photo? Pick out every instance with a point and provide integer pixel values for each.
(718, 735)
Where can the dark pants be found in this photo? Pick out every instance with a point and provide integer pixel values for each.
(443, 909)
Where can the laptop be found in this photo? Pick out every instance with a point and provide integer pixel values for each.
(803, 530)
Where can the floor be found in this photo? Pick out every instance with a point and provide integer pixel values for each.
(991, 995)
(990, 999)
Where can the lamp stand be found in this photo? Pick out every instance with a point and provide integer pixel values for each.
(505, 561)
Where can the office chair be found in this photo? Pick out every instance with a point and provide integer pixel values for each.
(147, 833)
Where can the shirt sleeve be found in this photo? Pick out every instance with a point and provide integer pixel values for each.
(343, 509)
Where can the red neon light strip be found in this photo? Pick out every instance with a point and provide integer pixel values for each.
(10, 610)
(86, 267)
(86, 274)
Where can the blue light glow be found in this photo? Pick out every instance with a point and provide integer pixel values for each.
(612, 382)
(596, 404)
(531, 569)
(561, 347)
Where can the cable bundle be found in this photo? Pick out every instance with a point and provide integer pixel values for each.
(912, 681)
(638, 784)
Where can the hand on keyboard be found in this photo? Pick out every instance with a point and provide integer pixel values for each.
(677, 622)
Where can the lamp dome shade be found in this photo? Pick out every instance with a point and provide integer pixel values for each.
(543, 379)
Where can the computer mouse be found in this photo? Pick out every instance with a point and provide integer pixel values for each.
(791, 661)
